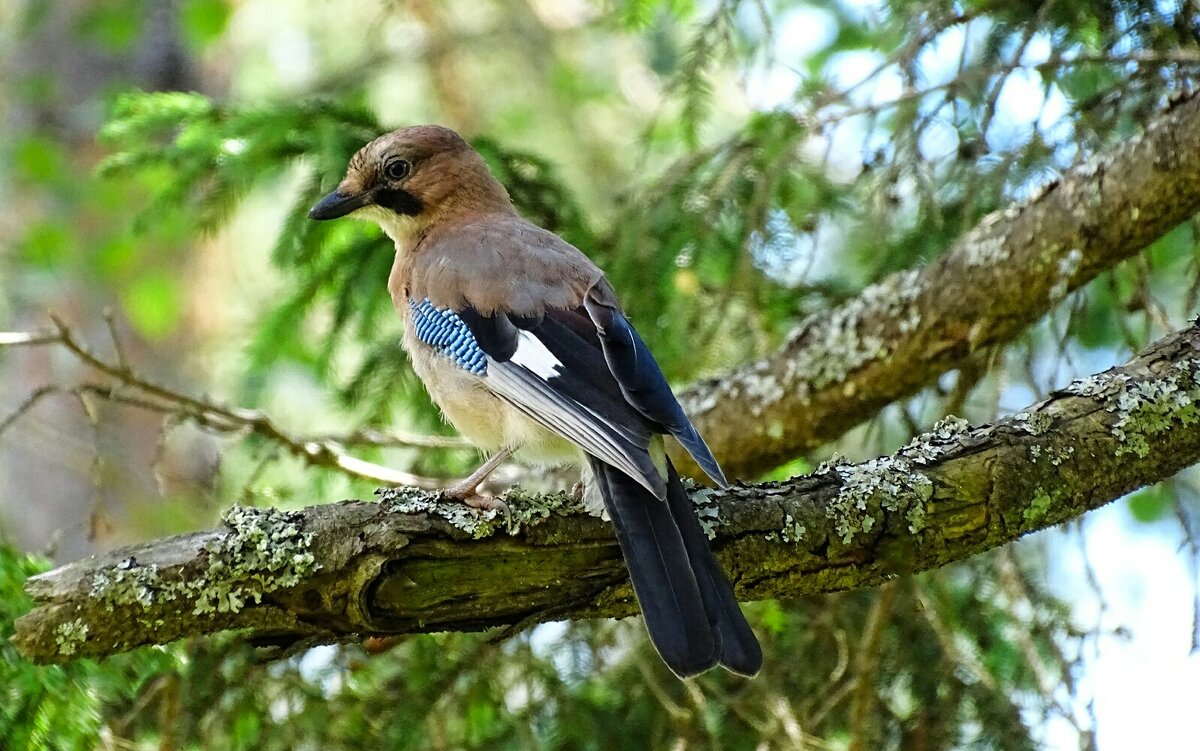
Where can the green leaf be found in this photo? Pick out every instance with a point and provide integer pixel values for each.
(204, 21)
(39, 160)
(113, 25)
(47, 243)
(153, 305)
(1150, 504)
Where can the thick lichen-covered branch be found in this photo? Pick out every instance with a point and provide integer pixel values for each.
(411, 563)
(838, 368)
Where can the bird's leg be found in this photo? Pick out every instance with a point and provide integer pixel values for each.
(465, 489)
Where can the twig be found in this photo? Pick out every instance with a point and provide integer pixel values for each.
(397, 439)
(325, 452)
(1186, 523)
(1174, 57)
(122, 361)
(30, 402)
(868, 664)
(22, 338)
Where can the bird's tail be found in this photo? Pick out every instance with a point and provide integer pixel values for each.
(688, 606)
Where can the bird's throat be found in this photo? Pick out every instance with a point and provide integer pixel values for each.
(401, 228)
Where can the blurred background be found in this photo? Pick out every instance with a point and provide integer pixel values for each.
(735, 165)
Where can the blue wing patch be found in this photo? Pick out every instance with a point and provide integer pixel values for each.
(447, 333)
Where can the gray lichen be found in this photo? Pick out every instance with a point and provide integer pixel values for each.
(265, 550)
(892, 483)
(1151, 407)
(70, 635)
(843, 344)
(987, 246)
(1145, 408)
(1099, 386)
(262, 550)
(126, 583)
(942, 437)
(527, 509)
(792, 531)
(707, 511)
(1061, 454)
(475, 522)
(523, 509)
(1034, 423)
(888, 482)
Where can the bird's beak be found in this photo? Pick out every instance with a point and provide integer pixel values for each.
(338, 204)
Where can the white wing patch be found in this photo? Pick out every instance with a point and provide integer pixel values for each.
(524, 383)
(532, 354)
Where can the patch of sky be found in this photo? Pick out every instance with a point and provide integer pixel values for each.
(796, 35)
(860, 10)
(781, 252)
(938, 62)
(850, 71)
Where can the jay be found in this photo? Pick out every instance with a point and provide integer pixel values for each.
(521, 342)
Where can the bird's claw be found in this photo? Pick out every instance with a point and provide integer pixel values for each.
(476, 500)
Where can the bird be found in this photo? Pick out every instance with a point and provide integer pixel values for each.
(521, 341)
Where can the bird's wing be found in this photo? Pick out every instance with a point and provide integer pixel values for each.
(582, 373)
(641, 381)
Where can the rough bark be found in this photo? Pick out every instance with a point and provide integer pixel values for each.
(839, 368)
(410, 564)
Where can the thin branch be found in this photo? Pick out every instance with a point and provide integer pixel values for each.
(118, 348)
(26, 338)
(137, 391)
(1140, 58)
(865, 686)
(396, 439)
(28, 403)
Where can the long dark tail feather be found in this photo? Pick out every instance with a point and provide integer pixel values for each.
(688, 606)
(661, 572)
(740, 651)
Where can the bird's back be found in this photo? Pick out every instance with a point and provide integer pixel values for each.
(497, 263)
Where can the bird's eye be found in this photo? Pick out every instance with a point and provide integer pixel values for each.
(397, 169)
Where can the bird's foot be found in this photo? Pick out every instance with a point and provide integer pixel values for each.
(466, 490)
(577, 491)
(469, 495)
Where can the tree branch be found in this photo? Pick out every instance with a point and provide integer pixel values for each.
(410, 564)
(840, 367)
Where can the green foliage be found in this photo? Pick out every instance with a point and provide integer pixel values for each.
(201, 158)
(113, 25)
(62, 708)
(204, 20)
(1150, 504)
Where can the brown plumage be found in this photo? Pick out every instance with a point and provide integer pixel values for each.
(497, 262)
(520, 340)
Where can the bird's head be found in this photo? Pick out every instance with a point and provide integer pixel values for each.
(412, 177)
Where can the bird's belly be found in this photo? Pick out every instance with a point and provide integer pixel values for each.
(479, 415)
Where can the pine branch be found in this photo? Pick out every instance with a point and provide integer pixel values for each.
(409, 564)
(839, 368)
